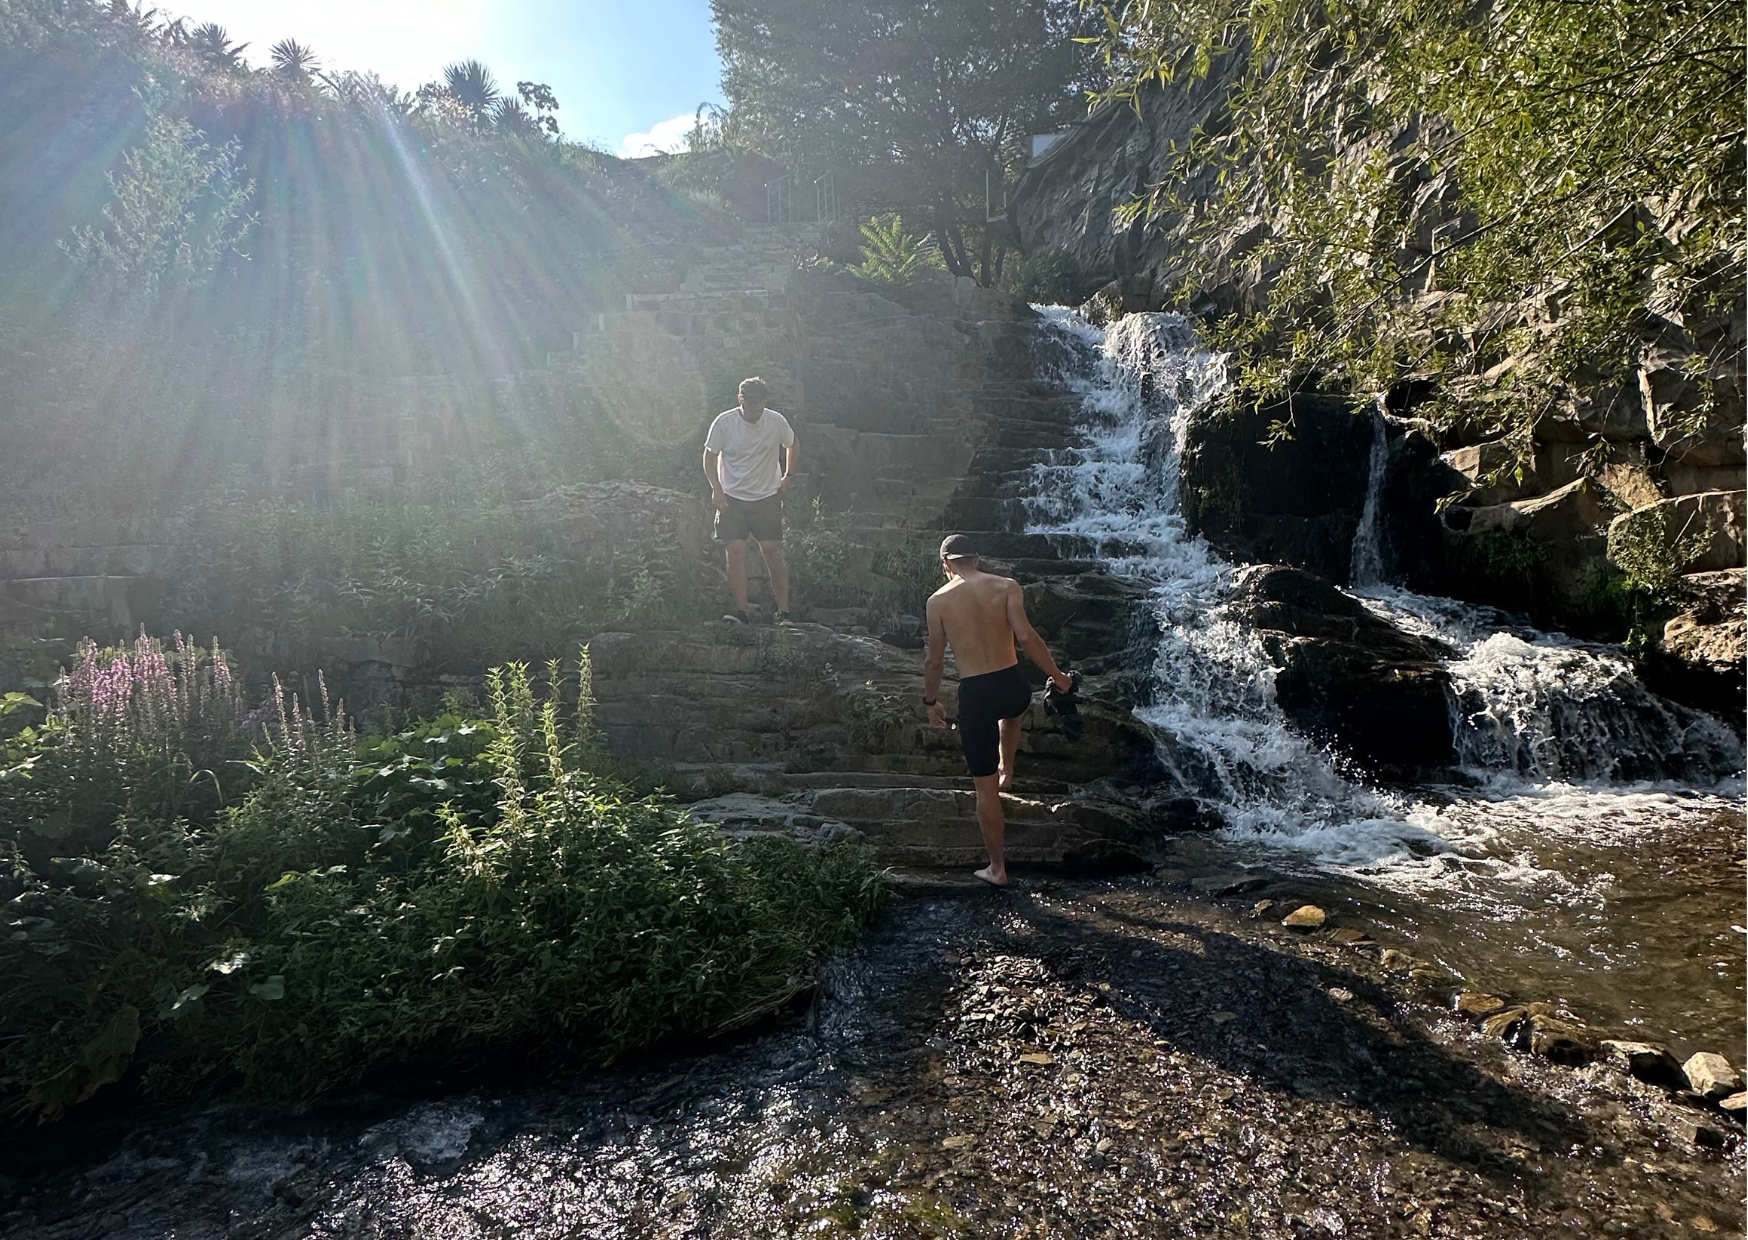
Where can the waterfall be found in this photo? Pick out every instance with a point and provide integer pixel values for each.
(1526, 704)
(1366, 563)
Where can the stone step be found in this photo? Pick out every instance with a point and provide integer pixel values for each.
(841, 778)
(1010, 484)
(1032, 436)
(1007, 545)
(983, 512)
(1002, 459)
(1026, 569)
(907, 825)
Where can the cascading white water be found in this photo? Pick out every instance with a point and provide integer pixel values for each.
(1212, 711)
(1526, 704)
(1367, 559)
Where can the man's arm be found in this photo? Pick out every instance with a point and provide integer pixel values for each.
(789, 456)
(935, 664)
(1026, 637)
(718, 496)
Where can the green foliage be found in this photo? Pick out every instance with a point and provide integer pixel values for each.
(922, 106)
(892, 255)
(873, 719)
(1652, 555)
(1428, 189)
(460, 890)
(178, 208)
(1651, 558)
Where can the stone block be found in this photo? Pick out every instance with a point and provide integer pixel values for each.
(1672, 401)
(1686, 478)
(1489, 469)
(1709, 525)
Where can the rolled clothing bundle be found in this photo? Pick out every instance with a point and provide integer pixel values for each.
(1063, 708)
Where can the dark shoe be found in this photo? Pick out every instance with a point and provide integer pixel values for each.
(736, 617)
(1064, 708)
(784, 620)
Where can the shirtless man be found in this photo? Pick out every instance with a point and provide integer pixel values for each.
(982, 617)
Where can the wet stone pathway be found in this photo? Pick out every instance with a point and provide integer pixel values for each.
(1070, 1058)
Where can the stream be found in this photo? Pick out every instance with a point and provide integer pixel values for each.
(1594, 852)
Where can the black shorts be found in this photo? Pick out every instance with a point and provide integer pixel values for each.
(984, 701)
(750, 518)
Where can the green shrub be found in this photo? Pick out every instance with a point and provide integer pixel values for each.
(459, 890)
(893, 255)
(873, 719)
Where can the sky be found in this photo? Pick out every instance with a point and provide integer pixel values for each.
(627, 75)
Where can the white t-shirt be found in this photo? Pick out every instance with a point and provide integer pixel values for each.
(750, 469)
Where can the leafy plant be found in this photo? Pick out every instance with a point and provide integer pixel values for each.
(892, 255)
(176, 210)
(873, 719)
(461, 889)
(1425, 190)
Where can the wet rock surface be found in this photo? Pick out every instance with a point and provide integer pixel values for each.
(1066, 1058)
(1348, 676)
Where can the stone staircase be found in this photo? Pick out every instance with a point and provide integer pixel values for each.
(818, 731)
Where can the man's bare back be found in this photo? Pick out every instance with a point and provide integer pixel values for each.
(977, 615)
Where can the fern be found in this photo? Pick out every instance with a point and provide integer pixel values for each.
(893, 256)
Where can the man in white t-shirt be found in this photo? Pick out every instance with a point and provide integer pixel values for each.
(749, 457)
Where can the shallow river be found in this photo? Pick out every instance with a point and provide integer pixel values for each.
(1070, 1058)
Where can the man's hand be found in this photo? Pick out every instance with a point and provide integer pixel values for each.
(1063, 681)
(938, 715)
(719, 497)
(783, 484)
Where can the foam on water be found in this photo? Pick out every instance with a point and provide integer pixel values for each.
(1528, 707)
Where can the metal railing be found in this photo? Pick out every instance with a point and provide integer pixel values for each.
(825, 199)
(778, 208)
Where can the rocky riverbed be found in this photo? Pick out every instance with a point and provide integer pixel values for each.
(1141, 1056)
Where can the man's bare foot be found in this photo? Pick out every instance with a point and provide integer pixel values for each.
(989, 875)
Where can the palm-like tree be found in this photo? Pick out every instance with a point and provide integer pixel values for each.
(294, 59)
(472, 85)
(212, 43)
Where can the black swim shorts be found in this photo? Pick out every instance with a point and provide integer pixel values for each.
(984, 701)
(755, 518)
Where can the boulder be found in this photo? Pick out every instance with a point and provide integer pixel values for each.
(1648, 1061)
(1686, 478)
(1540, 555)
(1615, 414)
(1707, 529)
(1711, 1076)
(1706, 646)
(1347, 676)
(1294, 500)
(1675, 420)
(1492, 474)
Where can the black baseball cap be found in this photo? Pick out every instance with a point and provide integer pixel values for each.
(957, 547)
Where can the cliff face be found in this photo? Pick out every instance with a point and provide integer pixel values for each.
(1632, 457)
(1064, 202)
